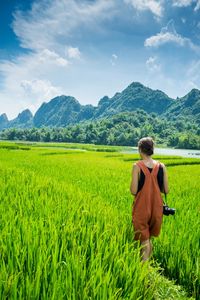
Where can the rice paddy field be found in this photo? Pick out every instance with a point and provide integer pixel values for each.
(66, 230)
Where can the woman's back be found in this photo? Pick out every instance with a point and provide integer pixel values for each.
(159, 178)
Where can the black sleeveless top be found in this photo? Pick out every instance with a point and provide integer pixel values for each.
(159, 178)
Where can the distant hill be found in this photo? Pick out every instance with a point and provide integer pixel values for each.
(134, 96)
(64, 110)
(23, 120)
(187, 106)
(3, 121)
(61, 111)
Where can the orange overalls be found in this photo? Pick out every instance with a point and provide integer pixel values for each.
(147, 210)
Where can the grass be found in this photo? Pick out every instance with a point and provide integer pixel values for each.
(67, 233)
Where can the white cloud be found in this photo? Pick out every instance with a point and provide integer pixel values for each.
(28, 80)
(41, 89)
(50, 22)
(163, 38)
(113, 59)
(197, 7)
(185, 3)
(24, 85)
(168, 34)
(155, 6)
(73, 52)
(182, 3)
(114, 56)
(52, 57)
(193, 71)
(45, 30)
(183, 20)
(152, 64)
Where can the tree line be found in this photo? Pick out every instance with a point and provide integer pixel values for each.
(124, 129)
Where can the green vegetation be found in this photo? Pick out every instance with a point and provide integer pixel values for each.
(136, 112)
(88, 147)
(124, 129)
(66, 230)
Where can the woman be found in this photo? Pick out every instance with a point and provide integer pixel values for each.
(149, 179)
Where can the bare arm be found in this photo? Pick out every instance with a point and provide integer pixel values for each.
(165, 180)
(134, 180)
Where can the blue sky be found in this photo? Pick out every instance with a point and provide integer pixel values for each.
(92, 48)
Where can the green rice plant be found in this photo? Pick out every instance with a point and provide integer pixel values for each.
(179, 247)
(60, 242)
(67, 233)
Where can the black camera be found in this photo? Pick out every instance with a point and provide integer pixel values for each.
(167, 210)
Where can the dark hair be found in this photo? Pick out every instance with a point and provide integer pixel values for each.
(146, 145)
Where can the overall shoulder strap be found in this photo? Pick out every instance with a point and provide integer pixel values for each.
(143, 168)
(156, 168)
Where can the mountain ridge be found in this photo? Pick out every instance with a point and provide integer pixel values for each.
(64, 110)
